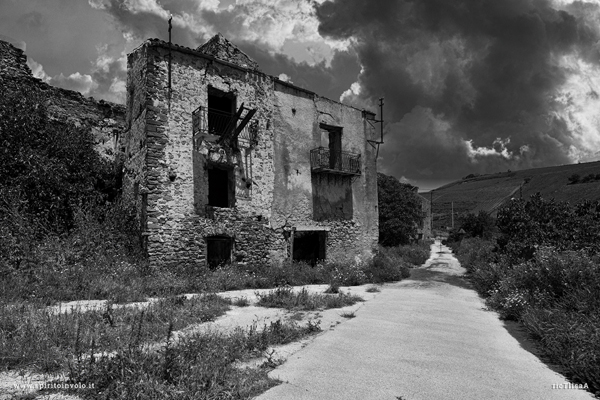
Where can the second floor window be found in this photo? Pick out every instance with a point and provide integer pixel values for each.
(221, 109)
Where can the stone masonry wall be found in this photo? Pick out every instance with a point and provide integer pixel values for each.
(13, 61)
(276, 169)
(133, 143)
(175, 174)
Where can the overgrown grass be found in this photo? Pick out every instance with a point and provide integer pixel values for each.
(241, 302)
(285, 297)
(415, 254)
(201, 365)
(101, 258)
(388, 266)
(44, 340)
(554, 295)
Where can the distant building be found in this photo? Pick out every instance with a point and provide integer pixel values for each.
(424, 229)
(225, 163)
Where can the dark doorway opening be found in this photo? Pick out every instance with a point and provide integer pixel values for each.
(221, 188)
(309, 246)
(335, 147)
(218, 251)
(221, 109)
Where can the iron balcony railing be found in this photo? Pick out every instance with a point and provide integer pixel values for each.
(341, 162)
(208, 121)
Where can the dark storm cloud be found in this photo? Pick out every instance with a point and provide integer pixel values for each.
(326, 80)
(487, 68)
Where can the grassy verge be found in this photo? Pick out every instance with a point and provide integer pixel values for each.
(65, 269)
(202, 365)
(285, 297)
(45, 341)
(415, 254)
(554, 295)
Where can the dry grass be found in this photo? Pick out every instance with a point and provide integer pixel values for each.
(45, 341)
(285, 297)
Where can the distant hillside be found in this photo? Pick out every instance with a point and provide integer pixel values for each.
(489, 192)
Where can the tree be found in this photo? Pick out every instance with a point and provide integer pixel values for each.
(526, 225)
(574, 179)
(51, 167)
(478, 225)
(400, 211)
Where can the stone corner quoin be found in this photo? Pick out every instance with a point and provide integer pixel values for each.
(289, 174)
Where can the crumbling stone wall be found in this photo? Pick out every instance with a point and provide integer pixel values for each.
(106, 120)
(13, 61)
(272, 176)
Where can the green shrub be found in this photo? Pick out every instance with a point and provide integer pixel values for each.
(555, 295)
(570, 339)
(415, 254)
(100, 258)
(539, 222)
(346, 273)
(473, 252)
(285, 297)
(387, 266)
(486, 277)
(400, 211)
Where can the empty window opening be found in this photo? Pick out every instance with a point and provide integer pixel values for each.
(221, 108)
(309, 246)
(221, 187)
(331, 138)
(218, 251)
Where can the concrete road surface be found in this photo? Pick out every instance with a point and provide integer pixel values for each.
(425, 338)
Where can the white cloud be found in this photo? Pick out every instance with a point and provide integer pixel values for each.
(498, 149)
(285, 78)
(82, 83)
(37, 69)
(577, 102)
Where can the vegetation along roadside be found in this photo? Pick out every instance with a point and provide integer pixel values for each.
(539, 264)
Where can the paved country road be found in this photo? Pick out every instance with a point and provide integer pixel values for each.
(426, 338)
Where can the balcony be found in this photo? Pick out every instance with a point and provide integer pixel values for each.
(343, 162)
(214, 124)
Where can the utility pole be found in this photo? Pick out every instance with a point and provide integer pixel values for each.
(381, 126)
(452, 215)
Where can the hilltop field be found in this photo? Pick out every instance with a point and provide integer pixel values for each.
(476, 193)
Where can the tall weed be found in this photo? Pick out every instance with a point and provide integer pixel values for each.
(555, 296)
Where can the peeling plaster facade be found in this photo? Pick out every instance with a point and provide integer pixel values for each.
(275, 199)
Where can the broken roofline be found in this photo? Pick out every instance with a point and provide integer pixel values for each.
(182, 49)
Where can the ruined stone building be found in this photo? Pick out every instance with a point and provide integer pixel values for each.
(102, 118)
(228, 164)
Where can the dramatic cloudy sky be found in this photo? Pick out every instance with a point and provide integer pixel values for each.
(470, 86)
